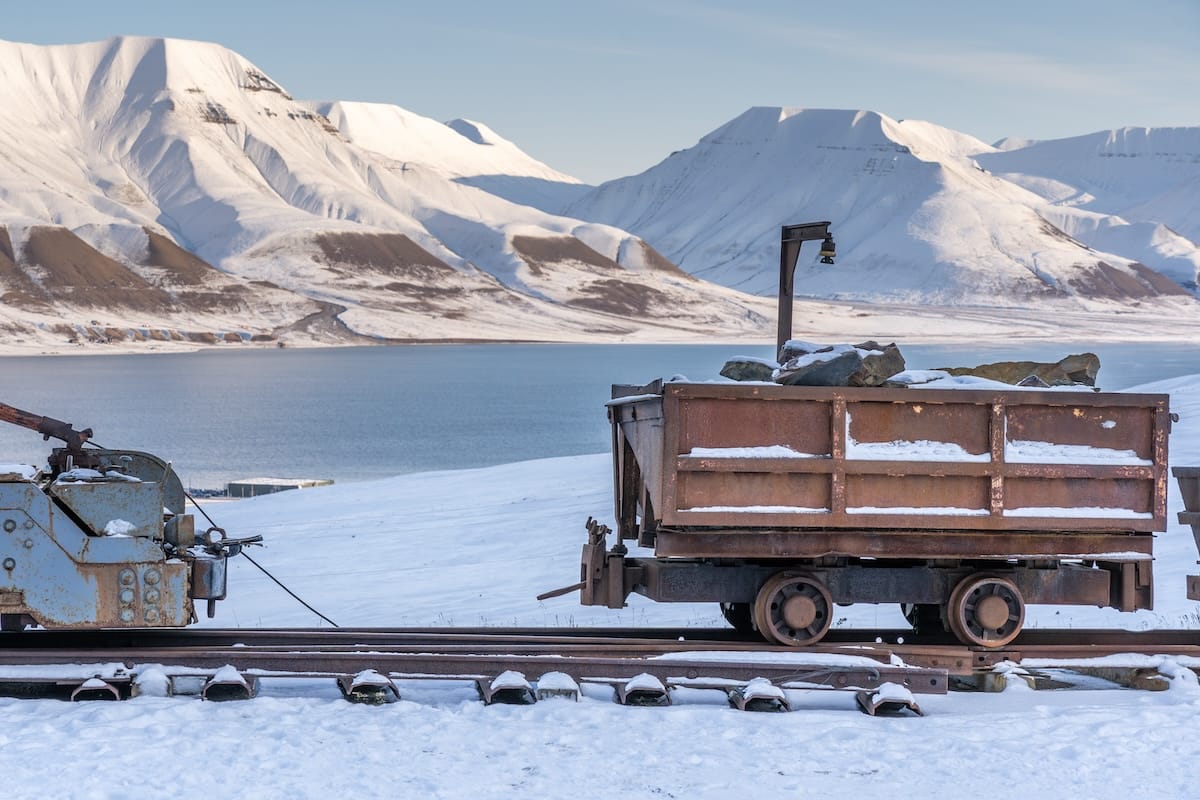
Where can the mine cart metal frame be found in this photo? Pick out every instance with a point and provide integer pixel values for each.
(101, 539)
(779, 502)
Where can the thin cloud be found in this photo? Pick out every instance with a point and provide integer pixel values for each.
(1122, 75)
(554, 42)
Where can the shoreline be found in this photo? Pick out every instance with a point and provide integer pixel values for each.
(816, 320)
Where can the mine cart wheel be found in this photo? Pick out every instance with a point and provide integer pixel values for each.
(924, 617)
(793, 609)
(739, 615)
(986, 610)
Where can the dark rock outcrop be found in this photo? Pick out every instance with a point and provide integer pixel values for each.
(1080, 368)
(880, 363)
(865, 364)
(747, 369)
(834, 371)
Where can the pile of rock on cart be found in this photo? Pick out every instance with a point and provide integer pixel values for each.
(873, 364)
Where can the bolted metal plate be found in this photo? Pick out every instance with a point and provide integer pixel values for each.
(115, 507)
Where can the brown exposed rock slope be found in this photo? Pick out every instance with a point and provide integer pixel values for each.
(1109, 283)
(62, 284)
(545, 252)
(70, 270)
(194, 283)
(386, 253)
(17, 288)
(602, 284)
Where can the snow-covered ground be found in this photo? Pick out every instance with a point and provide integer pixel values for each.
(814, 319)
(444, 744)
(472, 548)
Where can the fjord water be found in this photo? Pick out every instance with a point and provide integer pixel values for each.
(359, 413)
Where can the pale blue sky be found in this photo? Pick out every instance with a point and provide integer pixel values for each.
(606, 89)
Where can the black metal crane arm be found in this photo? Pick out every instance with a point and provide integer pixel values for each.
(47, 426)
(789, 252)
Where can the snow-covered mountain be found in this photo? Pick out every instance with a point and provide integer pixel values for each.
(1131, 191)
(468, 152)
(922, 213)
(159, 188)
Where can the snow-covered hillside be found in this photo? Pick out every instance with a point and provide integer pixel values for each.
(469, 152)
(917, 211)
(163, 188)
(1128, 190)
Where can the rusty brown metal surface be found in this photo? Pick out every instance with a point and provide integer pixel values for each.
(835, 488)
(631, 643)
(309, 653)
(790, 240)
(763, 478)
(637, 423)
(672, 671)
(46, 426)
(803, 544)
(1188, 479)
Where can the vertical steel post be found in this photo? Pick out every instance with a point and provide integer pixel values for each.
(791, 236)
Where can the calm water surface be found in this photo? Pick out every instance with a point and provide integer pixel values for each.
(358, 413)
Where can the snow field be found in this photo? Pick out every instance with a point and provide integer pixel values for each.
(473, 547)
(304, 741)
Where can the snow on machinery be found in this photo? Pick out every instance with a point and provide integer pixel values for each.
(963, 506)
(101, 540)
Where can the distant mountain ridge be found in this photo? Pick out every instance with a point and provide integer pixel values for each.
(169, 190)
(1118, 190)
(921, 213)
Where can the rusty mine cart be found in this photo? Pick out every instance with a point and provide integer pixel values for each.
(779, 502)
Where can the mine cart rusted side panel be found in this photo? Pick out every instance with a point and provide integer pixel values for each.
(1189, 490)
(996, 471)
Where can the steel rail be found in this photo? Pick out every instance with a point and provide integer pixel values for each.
(686, 637)
(293, 636)
(271, 648)
(293, 663)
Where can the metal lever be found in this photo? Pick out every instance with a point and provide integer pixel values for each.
(218, 543)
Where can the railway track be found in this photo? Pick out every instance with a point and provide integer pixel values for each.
(612, 656)
(886, 667)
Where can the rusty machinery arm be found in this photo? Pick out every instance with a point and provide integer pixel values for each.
(47, 426)
(789, 252)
